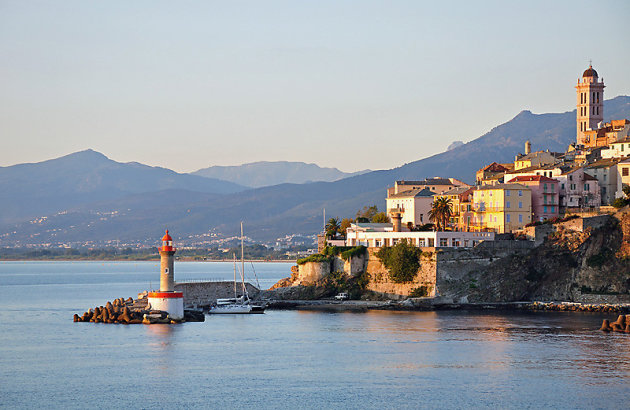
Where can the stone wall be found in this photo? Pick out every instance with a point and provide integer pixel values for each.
(311, 272)
(380, 282)
(207, 293)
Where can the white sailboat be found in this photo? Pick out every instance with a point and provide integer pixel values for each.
(238, 304)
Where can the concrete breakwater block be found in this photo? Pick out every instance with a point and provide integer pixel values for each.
(622, 324)
(129, 312)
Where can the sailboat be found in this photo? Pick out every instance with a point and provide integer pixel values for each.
(238, 304)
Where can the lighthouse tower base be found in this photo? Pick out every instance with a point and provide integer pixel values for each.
(171, 302)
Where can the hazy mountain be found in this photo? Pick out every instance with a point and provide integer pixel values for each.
(44, 188)
(263, 173)
(297, 208)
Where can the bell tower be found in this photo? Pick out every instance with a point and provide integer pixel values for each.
(590, 104)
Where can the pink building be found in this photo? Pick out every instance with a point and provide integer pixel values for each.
(545, 195)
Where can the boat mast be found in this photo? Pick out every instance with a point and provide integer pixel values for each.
(243, 264)
(234, 256)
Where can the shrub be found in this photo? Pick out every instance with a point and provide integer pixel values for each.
(402, 261)
(419, 292)
(352, 252)
(620, 202)
(317, 257)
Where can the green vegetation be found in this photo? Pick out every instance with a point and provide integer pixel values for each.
(553, 220)
(599, 259)
(441, 212)
(419, 292)
(332, 227)
(353, 252)
(401, 260)
(317, 257)
(381, 218)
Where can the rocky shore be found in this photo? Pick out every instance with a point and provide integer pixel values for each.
(129, 311)
(621, 325)
(429, 304)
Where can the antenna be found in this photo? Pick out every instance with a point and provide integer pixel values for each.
(590, 63)
(324, 219)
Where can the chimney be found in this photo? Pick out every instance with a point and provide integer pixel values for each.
(528, 147)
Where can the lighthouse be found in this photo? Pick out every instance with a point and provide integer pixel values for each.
(167, 299)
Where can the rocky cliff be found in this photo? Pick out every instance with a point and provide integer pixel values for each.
(575, 262)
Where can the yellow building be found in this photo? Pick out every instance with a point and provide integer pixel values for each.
(501, 208)
(535, 159)
(461, 207)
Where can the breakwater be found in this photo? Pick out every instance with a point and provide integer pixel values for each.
(622, 324)
(129, 311)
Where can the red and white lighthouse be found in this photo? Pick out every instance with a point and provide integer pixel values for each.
(167, 299)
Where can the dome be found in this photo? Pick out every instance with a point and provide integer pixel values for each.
(167, 237)
(590, 72)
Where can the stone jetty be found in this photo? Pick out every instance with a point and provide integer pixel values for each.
(129, 311)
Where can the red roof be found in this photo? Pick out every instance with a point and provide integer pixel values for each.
(167, 237)
(587, 177)
(537, 178)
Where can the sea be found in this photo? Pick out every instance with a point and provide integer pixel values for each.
(289, 359)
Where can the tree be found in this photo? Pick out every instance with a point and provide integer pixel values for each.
(345, 224)
(332, 227)
(441, 212)
(626, 190)
(401, 260)
(367, 212)
(380, 217)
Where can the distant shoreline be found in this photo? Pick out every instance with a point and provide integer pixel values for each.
(144, 260)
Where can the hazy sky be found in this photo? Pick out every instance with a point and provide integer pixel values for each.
(350, 84)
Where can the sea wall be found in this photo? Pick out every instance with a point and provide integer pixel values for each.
(381, 283)
(207, 293)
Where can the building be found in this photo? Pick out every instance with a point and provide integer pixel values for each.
(535, 159)
(492, 173)
(606, 173)
(437, 185)
(461, 206)
(590, 106)
(413, 206)
(166, 299)
(623, 177)
(378, 235)
(545, 195)
(501, 208)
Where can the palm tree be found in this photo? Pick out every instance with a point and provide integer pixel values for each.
(332, 227)
(441, 212)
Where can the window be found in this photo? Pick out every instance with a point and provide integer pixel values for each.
(553, 187)
(507, 193)
(507, 217)
(545, 187)
(562, 186)
(572, 187)
(553, 209)
(443, 241)
(570, 177)
(520, 193)
(545, 199)
(586, 187)
(545, 209)
(520, 205)
(507, 204)
(621, 147)
(624, 171)
(520, 218)
(604, 177)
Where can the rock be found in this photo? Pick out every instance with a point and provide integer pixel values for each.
(621, 321)
(76, 318)
(616, 328)
(606, 326)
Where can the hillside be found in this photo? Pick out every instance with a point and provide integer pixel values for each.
(264, 173)
(48, 187)
(274, 211)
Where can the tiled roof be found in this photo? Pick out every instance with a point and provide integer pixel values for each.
(501, 186)
(525, 178)
(412, 193)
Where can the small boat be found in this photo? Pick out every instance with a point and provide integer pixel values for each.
(238, 304)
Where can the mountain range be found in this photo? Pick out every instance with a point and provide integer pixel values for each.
(268, 212)
(265, 173)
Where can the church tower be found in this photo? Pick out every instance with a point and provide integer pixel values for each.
(590, 103)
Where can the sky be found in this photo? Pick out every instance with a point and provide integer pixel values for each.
(347, 84)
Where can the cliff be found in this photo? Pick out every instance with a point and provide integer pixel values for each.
(579, 260)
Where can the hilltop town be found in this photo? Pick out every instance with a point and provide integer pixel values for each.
(547, 225)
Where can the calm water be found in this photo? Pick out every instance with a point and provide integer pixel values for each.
(289, 359)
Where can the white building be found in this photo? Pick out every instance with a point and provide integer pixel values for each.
(378, 235)
(413, 205)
